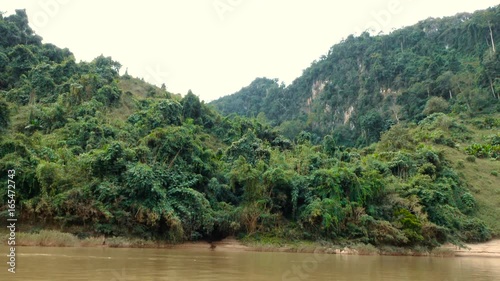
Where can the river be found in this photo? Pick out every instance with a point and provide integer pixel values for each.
(113, 264)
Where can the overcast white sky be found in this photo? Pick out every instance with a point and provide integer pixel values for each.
(216, 47)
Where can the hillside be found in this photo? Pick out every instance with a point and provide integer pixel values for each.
(366, 84)
(93, 153)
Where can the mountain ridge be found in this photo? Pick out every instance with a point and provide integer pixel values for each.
(367, 83)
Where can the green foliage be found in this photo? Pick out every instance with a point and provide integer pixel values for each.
(249, 147)
(156, 114)
(372, 124)
(398, 138)
(470, 158)
(435, 104)
(365, 84)
(410, 225)
(4, 115)
(108, 95)
(324, 216)
(106, 67)
(50, 177)
(22, 60)
(253, 95)
(111, 159)
(16, 30)
(153, 164)
(483, 150)
(191, 106)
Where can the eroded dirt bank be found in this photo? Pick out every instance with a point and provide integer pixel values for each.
(489, 249)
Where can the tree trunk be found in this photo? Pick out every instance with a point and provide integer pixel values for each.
(175, 157)
(396, 115)
(491, 36)
(493, 89)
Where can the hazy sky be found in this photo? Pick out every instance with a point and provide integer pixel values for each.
(216, 47)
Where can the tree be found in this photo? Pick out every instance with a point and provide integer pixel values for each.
(329, 145)
(490, 19)
(42, 83)
(443, 84)
(4, 115)
(372, 125)
(55, 54)
(17, 30)
(106, 67)
(255, 197)
(250, 147)
(191, 106)
(109, 94)
(4, 60)
(22, 60)
(491, 72)
(434, 105)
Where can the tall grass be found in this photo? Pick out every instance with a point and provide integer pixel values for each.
(365, 249)
(443, 252)
(56, 238)
(122, 242)
(47, 238)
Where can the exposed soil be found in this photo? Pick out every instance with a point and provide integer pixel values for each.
(228, 244)
(487, 249)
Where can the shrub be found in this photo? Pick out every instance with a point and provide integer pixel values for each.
(483, 150)
(365, 249)
(443, 252)
(474, 230)
(48, 238)
(434, 105)
(468, 202)
(4, 114)
(470, 158)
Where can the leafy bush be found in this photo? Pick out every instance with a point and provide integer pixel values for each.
(4, 115)
(434, 105)
(470, 159)
(483, 150)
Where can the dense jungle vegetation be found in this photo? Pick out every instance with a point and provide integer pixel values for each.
(366, 84)
(413, 163)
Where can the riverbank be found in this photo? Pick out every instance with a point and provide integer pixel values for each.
(486, 249)
(59, 239)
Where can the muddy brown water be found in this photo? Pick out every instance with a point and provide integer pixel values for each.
(112, 264)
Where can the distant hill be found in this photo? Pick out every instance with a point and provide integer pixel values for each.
(366, 84)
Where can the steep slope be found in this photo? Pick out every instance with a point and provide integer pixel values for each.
(367, 83)
(101, 153)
